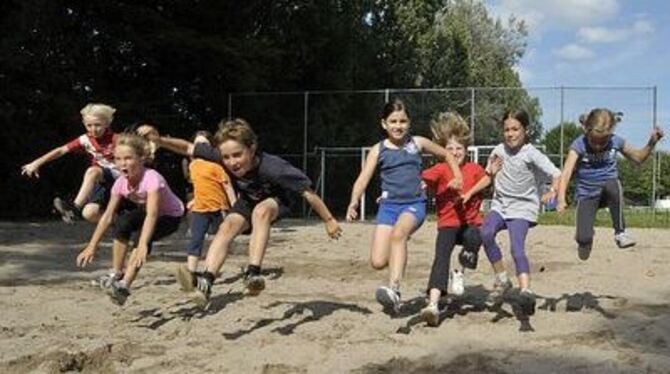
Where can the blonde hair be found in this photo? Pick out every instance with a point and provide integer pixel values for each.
(600, 121)
(99, 110)
(450, 125)
(238, 130)
(142, 147)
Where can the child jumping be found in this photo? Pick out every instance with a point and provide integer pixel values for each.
(156, 213)
(267, 186)
(402, 207)
(515, 165)
(213, 196)
(458, 217)
(594, 156)
(98, 142)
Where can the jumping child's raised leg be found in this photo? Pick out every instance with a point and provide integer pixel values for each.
(262, 217)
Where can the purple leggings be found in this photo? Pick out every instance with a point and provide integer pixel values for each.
(517, 228)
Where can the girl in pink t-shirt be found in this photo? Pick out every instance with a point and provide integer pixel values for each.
(156, 213)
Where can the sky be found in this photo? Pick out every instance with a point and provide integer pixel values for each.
(597, 43)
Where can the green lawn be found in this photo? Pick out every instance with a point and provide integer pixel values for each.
(633, 217)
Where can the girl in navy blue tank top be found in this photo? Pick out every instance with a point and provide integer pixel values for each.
(402, 207)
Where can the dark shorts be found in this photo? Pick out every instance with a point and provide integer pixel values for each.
(103, 189)
(129, 224)
(245, 207)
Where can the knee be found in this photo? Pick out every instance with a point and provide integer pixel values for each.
(583, 238)
(377, 263)
(397, 236)
(487, 235)
(262, 213)
(91, 213)
(93, 172)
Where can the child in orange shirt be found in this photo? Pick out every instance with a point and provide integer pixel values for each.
(213, 195)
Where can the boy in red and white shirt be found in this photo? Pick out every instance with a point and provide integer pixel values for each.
(458, 217)
(98, 144)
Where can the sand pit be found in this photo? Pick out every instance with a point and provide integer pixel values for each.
(318, 314)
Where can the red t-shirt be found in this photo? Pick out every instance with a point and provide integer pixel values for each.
(100, 150)
(450, 210)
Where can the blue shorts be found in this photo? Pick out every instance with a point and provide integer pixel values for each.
(388, 212)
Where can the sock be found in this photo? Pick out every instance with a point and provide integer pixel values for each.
(75, 209)
(209, 276)
(253, 270)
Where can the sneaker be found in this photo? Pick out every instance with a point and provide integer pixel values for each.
(500, 289)
(254, 283)
(66, 210)
(468, 259)
(388, 298)
(457, 282)
(431, 314)
(105, 281)
(203, 289)
(623, 240)
(118, 292)
(527, 302)
(185, 278)
(584, 251)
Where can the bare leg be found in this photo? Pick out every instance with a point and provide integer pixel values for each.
(92, 212)
(192, 263)
(380, 247)
(233, 225)
(405, 225)
(119, 249)
(261, 220)
(92, 175)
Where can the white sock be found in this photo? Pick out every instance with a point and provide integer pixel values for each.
(502, 277)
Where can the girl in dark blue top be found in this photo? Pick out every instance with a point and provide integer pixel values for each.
(593, 157)
(402, 207)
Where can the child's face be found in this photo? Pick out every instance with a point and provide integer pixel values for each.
(513, 133)
(597, 142)
(237, 157)
(396, 125)
(95, 126)
(456, 149)
(128, 161)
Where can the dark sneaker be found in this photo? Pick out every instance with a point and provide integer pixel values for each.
(623, 240)
(468, 259)
(119, 293)
(388, 298)
(185, 278)
(527, 302)
(66, 210)
(254, 283)
(431, 314)
(500, 289)
(203, 289)
(584, 251)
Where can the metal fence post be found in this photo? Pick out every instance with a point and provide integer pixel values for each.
(655, 167)
(562, 127)
(305, 122)
(472, 114)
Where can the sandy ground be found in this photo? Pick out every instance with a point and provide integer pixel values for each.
(318, 314)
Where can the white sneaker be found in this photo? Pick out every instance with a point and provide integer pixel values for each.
(623, 240)
(388, 298)
(431, 314)
(457, 282)
(105, 281)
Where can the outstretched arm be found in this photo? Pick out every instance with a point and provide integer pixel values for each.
(332, 227)
(566, 174)
(425, 144)
(640, 155)
(176, 145)
(86, 256)
(33, 168)
(362, 182)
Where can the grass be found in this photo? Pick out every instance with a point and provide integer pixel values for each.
(634, 218)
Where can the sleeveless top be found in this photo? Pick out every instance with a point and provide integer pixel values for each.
(400, 171)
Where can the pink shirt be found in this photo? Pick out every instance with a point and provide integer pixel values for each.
(170, 205)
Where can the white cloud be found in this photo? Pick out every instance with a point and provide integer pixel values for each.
(594, 35)
(545, 14)
(574, 52)
(525, 74)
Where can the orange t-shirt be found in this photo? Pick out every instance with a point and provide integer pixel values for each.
(208, 179)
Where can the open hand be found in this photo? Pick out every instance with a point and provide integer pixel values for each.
(85, 257)
(30, 170)
(333, 228)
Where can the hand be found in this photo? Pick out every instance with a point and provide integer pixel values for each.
(139, 257)
(547, 197)
(30, 170)
(456, 184)
(656, 135)
(465, 197)
(333, 228)
(352, 211)
(190, 204)
(561, 206)
(494, 166)
(149, 132)
(85, 257)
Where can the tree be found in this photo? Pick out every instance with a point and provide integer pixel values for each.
(552, 139)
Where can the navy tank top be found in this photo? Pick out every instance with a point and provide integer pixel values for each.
(400, 171)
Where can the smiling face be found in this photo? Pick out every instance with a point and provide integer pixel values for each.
(396, 125)
(237, 157)
(514, 133)
(456, 149)
(128, 161)
(95, 126)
